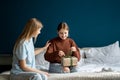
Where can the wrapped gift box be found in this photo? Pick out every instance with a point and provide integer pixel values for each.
(69, 61)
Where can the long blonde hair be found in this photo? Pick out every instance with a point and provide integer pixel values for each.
(32, 25)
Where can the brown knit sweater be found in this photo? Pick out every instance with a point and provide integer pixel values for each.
(58, 44)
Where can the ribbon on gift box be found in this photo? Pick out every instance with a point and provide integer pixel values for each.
(69, 60)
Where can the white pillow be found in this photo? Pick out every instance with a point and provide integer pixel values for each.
(41, 63)
(81, 58)
(82, 51)
(102, 55)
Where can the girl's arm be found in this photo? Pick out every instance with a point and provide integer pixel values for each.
(75, 50)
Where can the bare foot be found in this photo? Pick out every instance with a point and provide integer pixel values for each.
(66, 69)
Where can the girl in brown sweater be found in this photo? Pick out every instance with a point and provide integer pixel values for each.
(59, 47)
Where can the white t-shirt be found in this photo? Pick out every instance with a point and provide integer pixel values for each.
(25, 51)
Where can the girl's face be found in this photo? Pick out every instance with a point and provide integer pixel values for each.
(63, 34)
(37, 32)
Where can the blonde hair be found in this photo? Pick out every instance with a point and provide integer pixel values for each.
(32, 25)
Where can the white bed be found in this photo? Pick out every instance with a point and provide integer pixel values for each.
(97, 63)
(86, 76)
(78, 76)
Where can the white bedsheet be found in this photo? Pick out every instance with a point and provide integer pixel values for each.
(98, 68)
(100, 59)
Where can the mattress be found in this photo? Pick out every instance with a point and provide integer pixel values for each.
(77, 76)
(86, 76)
(103, 70)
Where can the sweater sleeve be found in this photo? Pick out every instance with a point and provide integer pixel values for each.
(51, 55)
(77, 52)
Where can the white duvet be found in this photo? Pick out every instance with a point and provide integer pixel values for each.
(100, 59)
(88, 67)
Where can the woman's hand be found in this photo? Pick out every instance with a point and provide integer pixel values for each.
(61, 53)
(47, 45)
(43, 72)
(46, 73)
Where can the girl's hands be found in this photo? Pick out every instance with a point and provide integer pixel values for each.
(61, 53)
(73, 49)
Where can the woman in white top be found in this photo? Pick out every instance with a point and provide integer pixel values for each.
(23, 66)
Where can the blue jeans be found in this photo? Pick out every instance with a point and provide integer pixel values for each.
(58, 68)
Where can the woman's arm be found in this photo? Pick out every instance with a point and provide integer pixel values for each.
(38, 50)
(24, 67)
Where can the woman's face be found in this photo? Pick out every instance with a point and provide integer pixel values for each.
(37, 32)
(63, 34)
